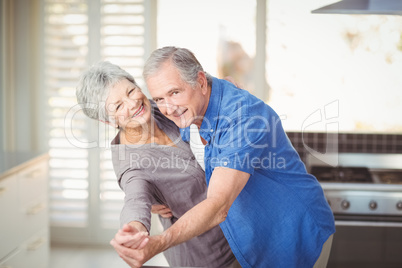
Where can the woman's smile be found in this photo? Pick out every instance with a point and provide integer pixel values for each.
(139, 112)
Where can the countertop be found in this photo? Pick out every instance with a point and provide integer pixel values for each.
(11, 162)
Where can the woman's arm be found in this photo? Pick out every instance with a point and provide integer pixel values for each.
(136, 214)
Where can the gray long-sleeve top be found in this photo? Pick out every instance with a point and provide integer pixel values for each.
(160, 174)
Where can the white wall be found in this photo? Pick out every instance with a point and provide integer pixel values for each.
(20, 75)
(2, 110)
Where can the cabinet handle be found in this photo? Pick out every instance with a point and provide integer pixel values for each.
(3, 190)
(35, 209)
(36, 244)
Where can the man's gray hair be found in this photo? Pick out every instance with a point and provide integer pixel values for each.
(94, 86)
(182, 58)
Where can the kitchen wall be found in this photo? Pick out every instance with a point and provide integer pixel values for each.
(347, 142)
(2, 104)
(21, 95)
(346, 65)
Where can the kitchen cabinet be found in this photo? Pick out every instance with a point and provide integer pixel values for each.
(24, 227)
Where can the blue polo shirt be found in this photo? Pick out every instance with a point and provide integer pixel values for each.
(281, 217)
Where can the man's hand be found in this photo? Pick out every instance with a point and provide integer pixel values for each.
(162, 210)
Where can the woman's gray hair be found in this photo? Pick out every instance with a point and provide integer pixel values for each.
(94, 86)
(182, 58)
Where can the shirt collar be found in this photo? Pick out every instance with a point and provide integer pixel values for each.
(210, 120)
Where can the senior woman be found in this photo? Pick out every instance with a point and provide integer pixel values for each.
(152, 164)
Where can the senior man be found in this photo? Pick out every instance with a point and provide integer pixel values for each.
(271, 211)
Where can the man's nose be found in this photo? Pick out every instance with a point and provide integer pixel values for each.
(170, 108)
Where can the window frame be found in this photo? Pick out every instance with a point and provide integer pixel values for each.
(2, 95)
(93, 232)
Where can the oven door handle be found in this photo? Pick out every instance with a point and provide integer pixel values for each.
(368, 223)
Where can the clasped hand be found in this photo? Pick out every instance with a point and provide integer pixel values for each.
(130, 244)
(136, 247)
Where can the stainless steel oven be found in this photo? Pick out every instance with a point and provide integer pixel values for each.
(365, 195)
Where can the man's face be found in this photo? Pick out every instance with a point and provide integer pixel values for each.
(176, 99)
(128, 106)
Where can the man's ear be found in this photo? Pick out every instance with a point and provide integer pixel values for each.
(202, 79)
(109, 123)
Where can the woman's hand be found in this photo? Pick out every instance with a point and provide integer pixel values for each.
(130, 242)
(231, 80)
(131, 237)
(162, 210)
(135, 258)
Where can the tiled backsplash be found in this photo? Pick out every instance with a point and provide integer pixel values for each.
(347, 142)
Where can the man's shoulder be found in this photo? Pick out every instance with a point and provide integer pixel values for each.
(237, 102)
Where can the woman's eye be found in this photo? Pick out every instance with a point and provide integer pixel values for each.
(118, 107)
(131, 91)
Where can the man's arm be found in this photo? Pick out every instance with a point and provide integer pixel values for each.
(224, 187)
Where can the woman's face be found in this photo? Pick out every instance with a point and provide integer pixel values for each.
(128, 106)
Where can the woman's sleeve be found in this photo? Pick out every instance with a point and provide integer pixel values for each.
(139, 197)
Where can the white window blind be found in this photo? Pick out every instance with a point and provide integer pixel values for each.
(122, 43)
(85, 200)
(66, 40)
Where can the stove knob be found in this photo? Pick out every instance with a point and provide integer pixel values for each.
(345, 204)
(373, 205)
(399, 205)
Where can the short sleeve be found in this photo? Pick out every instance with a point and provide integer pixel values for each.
(138, 198)
(240, 142)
